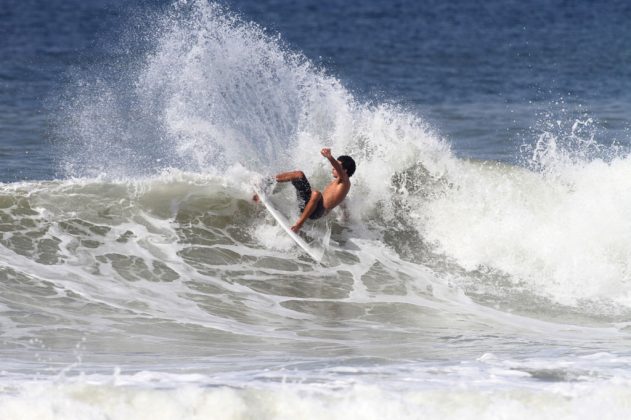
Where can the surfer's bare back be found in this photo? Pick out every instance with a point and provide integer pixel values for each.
(313, 203)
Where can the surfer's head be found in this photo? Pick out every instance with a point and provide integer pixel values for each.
(348, 164)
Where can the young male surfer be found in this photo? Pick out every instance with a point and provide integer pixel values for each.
(314, 204)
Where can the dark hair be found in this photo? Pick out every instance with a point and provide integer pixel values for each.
(348, 164)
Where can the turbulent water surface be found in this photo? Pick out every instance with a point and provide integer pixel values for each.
(480, 269)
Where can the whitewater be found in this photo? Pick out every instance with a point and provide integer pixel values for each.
(143, 282)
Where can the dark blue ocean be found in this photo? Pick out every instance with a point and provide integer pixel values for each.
(480, 267)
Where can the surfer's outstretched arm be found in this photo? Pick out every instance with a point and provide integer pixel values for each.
(342, 176)
(309, 208)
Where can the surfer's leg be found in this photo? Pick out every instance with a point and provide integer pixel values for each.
(302, 186)
(290, 176)
(315, 198)
(318, 210)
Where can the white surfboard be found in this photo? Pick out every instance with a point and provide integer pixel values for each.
(314, 252)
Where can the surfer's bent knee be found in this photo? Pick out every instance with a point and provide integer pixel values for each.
(295, 175)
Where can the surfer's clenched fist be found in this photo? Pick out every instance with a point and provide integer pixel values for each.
(326, 152)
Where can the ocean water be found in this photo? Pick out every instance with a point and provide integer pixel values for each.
(481, 269)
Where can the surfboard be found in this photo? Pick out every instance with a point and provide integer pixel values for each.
(316, 253)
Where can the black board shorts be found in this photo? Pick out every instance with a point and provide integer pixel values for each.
(303, 191)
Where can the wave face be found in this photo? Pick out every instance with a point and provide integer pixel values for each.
(163, 150)
(189, 258)
(214, 93)
(151, 246)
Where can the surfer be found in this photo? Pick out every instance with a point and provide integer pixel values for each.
(314, 204)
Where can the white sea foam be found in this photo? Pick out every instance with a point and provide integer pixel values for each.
(488, 388)
(565, 236)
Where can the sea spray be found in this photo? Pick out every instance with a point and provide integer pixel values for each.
(216, 92)
(212, 91)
